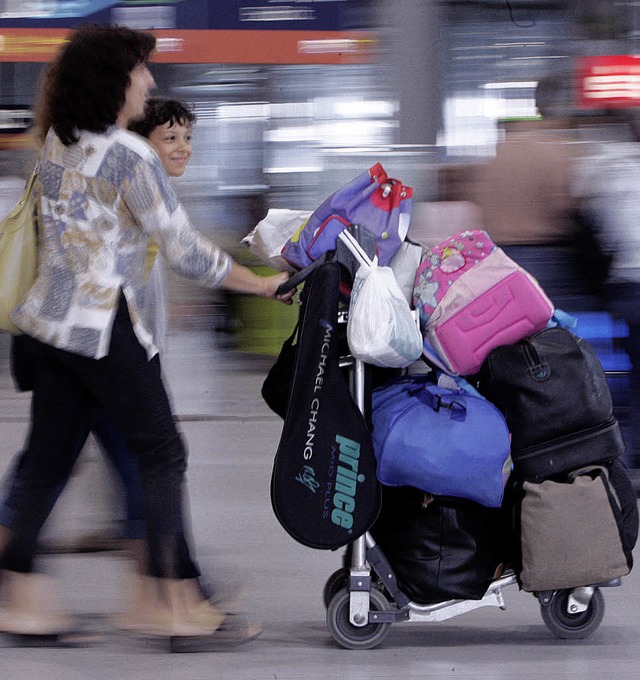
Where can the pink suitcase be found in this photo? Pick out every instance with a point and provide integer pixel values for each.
(472, 298)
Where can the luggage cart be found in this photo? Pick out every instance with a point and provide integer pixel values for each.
(361, 609)
(363, 599)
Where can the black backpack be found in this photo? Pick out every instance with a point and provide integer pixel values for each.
(554, 395)
(324, 489)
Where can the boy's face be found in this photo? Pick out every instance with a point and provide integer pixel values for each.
(173, 144)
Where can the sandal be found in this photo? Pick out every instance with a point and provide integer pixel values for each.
(64, 639)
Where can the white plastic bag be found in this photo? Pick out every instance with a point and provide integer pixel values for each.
(381, 330)
(268, 237)
(404, 265)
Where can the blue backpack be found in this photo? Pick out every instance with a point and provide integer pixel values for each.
(372, 200)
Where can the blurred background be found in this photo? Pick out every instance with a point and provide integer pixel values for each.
(296, 97)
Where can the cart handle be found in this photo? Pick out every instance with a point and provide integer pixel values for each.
(299, 277)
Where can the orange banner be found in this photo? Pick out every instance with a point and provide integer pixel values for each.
(214, 46)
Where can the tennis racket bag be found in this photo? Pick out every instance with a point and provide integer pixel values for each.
(324, 489)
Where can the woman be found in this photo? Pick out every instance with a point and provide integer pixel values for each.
(103, 194)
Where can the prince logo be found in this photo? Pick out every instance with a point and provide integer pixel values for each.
(347, 478)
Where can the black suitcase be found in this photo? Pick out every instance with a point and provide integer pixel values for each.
(554, 394)
(439, 548)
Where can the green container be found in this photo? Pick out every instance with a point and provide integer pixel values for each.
(265, 324)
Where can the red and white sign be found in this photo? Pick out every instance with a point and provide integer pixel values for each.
(608, 81)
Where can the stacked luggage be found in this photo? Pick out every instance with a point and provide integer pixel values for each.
(496, 451)
(567, 484)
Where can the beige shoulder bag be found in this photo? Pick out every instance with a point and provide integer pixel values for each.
(17, 254)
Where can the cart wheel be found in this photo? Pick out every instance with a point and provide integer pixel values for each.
(336, 582)
(356, 637)
(573, 626)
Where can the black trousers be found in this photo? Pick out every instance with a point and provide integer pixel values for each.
(128, 387)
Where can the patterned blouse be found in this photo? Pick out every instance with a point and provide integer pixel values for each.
(99, 202)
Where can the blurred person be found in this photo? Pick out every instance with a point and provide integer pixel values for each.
(102, 195)
(168, 126)
(524, 193)
(532, 195)
(606, 186)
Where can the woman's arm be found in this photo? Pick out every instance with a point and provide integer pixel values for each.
(155, 206)
(242, 280)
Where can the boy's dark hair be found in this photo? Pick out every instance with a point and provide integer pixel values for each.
(84, 88)
(159, 111)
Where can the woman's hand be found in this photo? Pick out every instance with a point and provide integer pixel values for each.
(242, 280)
(272, 283)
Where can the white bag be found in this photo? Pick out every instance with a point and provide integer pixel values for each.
(268, 237)
(404, 265)
(381, 330)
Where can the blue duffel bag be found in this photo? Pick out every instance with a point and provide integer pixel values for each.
(445, 441)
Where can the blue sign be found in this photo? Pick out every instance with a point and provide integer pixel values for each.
(293, 15)
(144, 14)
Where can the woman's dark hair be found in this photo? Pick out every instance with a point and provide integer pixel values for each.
(84, 88)
(158, 111)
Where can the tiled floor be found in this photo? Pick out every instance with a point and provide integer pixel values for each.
(232, 439)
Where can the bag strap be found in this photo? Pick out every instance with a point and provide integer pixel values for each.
(12, 220)
(538, 368)
(356, 249)
(32, 178)
(600, 471)
(586, 470)
(458, 410)
(291, 339)
(28, 187)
